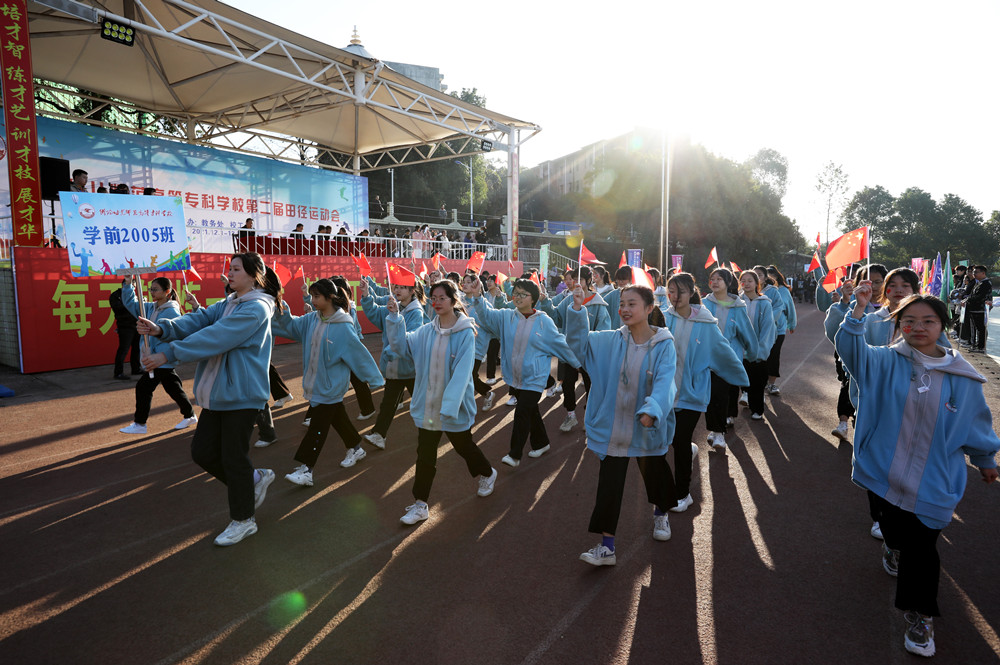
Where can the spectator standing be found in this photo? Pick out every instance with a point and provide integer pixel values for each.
(79, 183)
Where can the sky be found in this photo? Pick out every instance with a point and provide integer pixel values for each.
(900, 94)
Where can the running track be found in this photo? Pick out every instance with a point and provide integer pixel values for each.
(108, 555)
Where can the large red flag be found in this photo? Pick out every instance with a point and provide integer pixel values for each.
(623, 261)
(814, 264)
(832, 280)
(587, 256)
(476, 262)
(283, 273)
(713, 257)
(191, 273)
(436, 261)
(848, 248)
(300, 273)
(363, 266)
(642, 278)
(400, 275)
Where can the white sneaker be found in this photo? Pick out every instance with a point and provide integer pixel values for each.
(541, 451)
(756, 416)
(661, 527)
(278, 403)
(773, 389)
(353, 456)
(134, 428)
(263, 443)
(375, 439)
(488, 402)
(719, 440)
(551, 392)
(569, 423)
(486, 483)
(187, 422)
(682, 505)
(730, 422)
(876, 531)
(260, 487)
(490, 382)
(694, 453)
(711, 437)
(599, 556)
(840, 431)
(418, 512)
(300, 476)
(557, 389)
(399, 407)
(366, 416)
(305, 423)
(510, 461)
(236, 531)
(744, 400)
(512, 401)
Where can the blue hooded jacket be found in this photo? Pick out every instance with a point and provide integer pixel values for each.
(762, 317)
(171, 309)
(701, 350)
(391, 364)
(597, 310)
(627, 382)
(737, 328)
(915, 424)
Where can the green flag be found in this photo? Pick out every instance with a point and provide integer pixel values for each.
(947, 282)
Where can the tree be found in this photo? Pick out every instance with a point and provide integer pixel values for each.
(873, 207)
(770, 168)
(832, 184)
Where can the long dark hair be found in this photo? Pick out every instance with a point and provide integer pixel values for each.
(167, 286)
(756, 279)
(775, 274)
(907, 275)
(452, 291)
(685, 280)
(728, 279)
(332, 292)
(263, 277)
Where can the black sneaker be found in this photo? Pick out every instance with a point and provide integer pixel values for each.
(919, 635)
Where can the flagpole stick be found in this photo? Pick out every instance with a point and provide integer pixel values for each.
(142, 308)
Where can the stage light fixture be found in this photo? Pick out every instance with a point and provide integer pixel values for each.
(114, 31)
(487, 146)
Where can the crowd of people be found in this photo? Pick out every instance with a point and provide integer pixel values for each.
(651, 361)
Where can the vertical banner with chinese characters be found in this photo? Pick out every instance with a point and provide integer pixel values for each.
(19, 122)
(634, 258)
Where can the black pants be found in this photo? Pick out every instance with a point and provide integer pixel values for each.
(919, 563)
(391, 397)
(323, 417)
(480, 386)
(221, 446)
(757, 373)
(977, 329)
(278, 388)
(611, 487)
(265, 424)
(427, 447)
(844, 406)
(774, 360)
(128, 339)
(492, 358)
(527, 422)
(686, 421)
(724, 402)
(171, 384)
(364, 394)
(570, 375)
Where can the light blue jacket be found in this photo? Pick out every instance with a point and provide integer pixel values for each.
(331, 350)
(627, 382)
(169, 310)
(307, 302)
(392, 365)
(231, 341)
(762, 317)
(613, 298)
(737, 328)
(777, 307)
(788, 318)
(597, 311)
(916, 425)
(443, 397)
(701, 350)
(527, 344)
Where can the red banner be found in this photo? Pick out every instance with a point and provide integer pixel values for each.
(19, 117)
(66, 321)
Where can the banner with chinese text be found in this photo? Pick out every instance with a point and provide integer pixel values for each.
(110, 231)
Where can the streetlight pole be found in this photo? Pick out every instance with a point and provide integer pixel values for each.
(392, 185)
(469, 169)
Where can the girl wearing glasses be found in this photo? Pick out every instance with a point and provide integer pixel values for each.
(921, 411)
(443, 353)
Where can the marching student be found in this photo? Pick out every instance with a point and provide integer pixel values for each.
(597, 312)
(660, 292)
(362, 391)
(779, 307)
(731, 313)
(921, 411)
(442, 353)
(471, 286)
(164, 306)
(759, 311)
(331, 354)
(493, 348)
(623, 278)
(701, 351)
(528, 340)
(398, 371)
(231, 341)
(630, 413)
(602, 285)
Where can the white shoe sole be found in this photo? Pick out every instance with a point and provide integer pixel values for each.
(366, 416)
(539, 452)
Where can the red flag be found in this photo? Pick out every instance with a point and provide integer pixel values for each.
(642, 278)
(400, 275)
(510, 266)
(191, 273)
(848, 248)
(436, 261)
(534, 278)
(587, 256)
(423, 273)
(815, 262)
(622, 262)
(817, 240)
(283, 273)
(501, 278)
(300, 273)
(363, 266)
(736, 268)
(225, 268)
(476, 262)
(832, 280)
(713, 257)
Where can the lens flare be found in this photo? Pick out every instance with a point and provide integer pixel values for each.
(284, 609)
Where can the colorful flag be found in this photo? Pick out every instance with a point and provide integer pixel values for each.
(814, 264)
(917, 265)
(400, 275)
(947, 281)
(476, 262)
(736, 268)
(642, 278)
(587, 256)
(934, 288)
(848, 248)
(623, 261)
(713, 257)
(363, 266)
